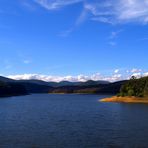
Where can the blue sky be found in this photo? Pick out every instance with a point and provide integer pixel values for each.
(73, 39)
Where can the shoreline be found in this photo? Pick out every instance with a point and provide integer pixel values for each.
(127, 99)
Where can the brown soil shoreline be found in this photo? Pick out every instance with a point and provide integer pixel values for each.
(125, 99)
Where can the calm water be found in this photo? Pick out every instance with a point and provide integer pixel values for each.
(71, 121)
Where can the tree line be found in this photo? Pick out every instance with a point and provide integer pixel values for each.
(135, 87)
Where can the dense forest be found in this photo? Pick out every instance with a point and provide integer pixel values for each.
(11, 89)
(135, 87)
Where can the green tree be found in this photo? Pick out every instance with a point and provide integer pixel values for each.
(130, 92)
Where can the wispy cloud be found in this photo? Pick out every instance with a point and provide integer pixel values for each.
(56, 4)
(106, 11)
(81, 18)
(28, 5)
(115, 34)
(119, 11)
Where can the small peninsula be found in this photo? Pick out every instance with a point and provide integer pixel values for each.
(126, 99)
(133, 91)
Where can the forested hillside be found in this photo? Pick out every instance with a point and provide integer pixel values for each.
(135, 87)
(11, 89)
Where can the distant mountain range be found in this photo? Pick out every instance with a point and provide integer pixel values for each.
(54, 84)
(63, 83)
(38, 86)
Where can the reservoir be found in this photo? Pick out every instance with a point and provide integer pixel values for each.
(71, 121)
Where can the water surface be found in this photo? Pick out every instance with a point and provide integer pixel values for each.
(71, 121)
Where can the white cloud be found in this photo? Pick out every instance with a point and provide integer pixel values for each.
(81, 78)
(116, 71)
(96, 77)
(137, 75)
(116, 76)
(133, 10)
(49, 78)
(145, 74)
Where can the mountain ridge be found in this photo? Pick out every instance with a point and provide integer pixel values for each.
(55, 84)
(90, 86)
